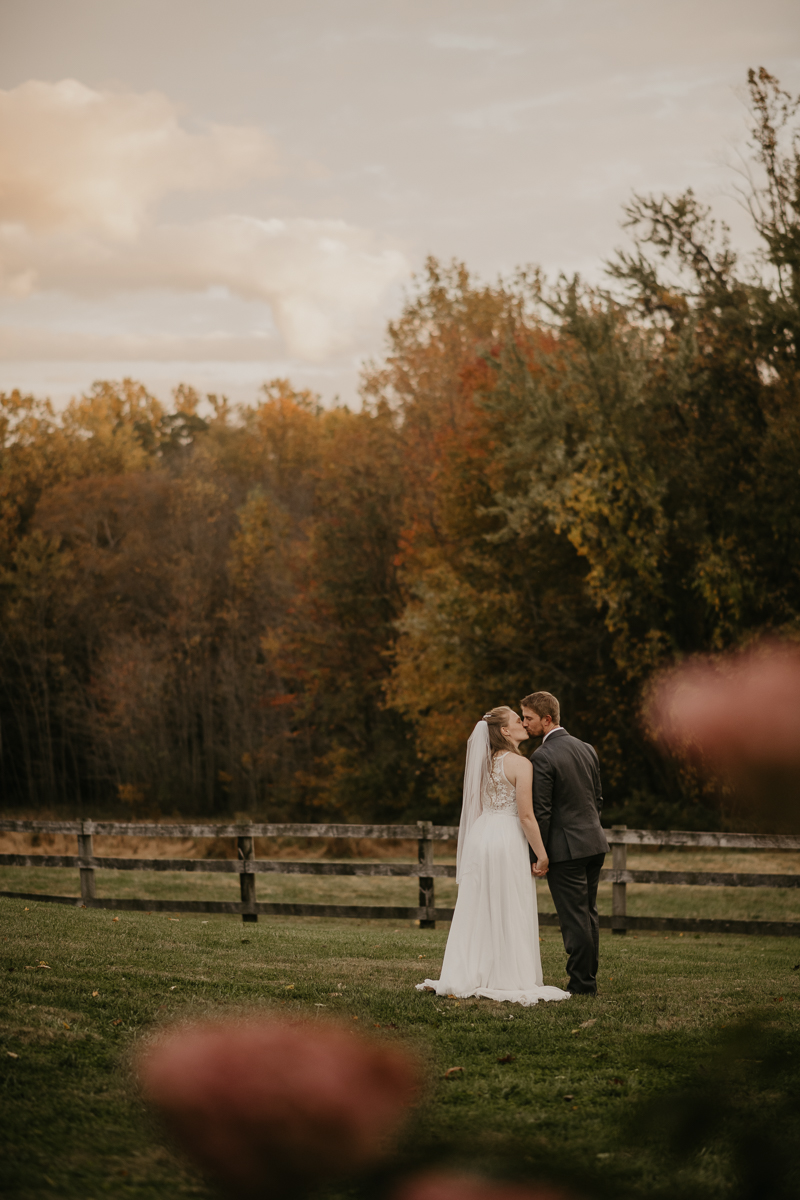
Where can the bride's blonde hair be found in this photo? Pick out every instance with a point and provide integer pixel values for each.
(496, 718)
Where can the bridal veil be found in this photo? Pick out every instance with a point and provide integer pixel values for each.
(476, 774)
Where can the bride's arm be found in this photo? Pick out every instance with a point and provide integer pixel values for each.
(520, 772)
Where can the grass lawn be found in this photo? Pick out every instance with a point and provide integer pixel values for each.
(589, 1103)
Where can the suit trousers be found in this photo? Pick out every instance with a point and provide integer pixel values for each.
(573, 886)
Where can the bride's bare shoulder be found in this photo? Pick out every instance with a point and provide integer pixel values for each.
(517, 766)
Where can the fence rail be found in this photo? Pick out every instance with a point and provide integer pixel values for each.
(247, 866)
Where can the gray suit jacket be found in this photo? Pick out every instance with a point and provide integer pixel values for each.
(567, 797)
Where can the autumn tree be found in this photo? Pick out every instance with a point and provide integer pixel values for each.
(197, 610)
(636, 498)
(484, 611)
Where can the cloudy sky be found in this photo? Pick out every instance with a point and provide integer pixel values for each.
(222, 191)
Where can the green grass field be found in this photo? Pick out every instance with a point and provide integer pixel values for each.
(589, 1104)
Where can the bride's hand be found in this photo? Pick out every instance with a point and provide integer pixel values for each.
(540, 867)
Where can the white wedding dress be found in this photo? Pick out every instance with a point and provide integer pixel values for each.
(493, 947)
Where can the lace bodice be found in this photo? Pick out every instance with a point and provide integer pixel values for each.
(500, 795)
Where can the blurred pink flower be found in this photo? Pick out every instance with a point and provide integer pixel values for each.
(273, 1107)
(441, 1185)
(737, 717)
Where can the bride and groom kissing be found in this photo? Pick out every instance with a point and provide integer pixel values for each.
(523, 819)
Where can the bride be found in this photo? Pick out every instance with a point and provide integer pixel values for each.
(493, 947)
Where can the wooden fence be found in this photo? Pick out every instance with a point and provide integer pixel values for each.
(247, 867)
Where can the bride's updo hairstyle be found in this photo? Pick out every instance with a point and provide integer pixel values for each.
(496, 718)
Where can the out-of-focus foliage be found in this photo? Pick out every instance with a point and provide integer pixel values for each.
(302, 612)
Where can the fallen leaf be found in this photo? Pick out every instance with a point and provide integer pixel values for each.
(288, 987)
(451, 996)
(172, 989)
(11, 1054)
(117, 1022)
(507, 1058)
(354, 1018)
(46, 967)
(429, 989)
(64, 1023)
(173, 918)
(115, 919)
(95, 993)
(452, 1071)
(587, 1024)
(422, 956)
(569, 1096)
(26, 910)
(616, 1079)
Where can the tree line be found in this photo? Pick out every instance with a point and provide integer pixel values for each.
(299, 612)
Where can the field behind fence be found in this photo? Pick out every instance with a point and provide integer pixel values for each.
(671, 881)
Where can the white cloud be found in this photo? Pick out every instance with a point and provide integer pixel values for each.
(74, 158)
(82, 173)
(322, 279)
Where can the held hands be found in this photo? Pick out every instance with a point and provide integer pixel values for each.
(539, 868)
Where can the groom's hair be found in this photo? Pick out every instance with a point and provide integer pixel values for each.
(544, 704)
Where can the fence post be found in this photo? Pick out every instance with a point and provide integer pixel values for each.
(247, 880)
(619, 897)
(85, 851)
(425, 859)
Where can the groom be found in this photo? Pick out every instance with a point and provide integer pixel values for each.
(567, 800)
